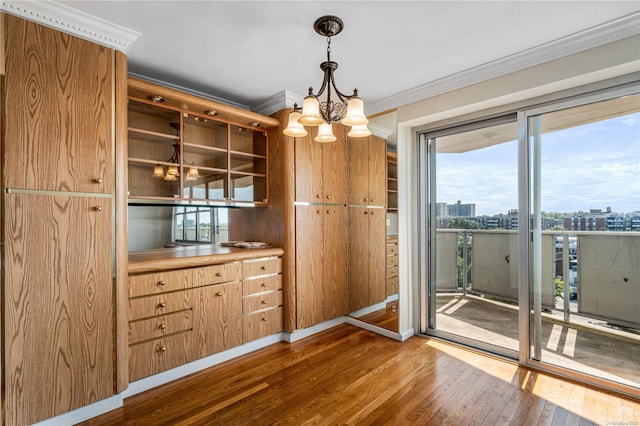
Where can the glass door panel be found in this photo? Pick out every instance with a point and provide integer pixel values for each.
(585, 215)
(473, 236)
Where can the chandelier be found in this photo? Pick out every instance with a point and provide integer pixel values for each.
(329, 105)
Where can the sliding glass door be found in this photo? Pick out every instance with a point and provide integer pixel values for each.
(473, 198)
(530, 245)
(585, 221)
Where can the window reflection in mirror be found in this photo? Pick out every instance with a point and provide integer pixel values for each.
(155, 227)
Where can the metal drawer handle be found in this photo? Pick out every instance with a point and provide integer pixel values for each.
(162, 326)
(263, 318)
(263, 285)
(161, 282)
(162, 349)
(218, 274)
(264, 302)
(263, 268)
(219, 294)
(162, 305)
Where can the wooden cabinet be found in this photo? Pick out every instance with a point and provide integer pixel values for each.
(185, 148)
(57, 305)
(321, 169)
(367, 254)
(262, 303)
(58, 121)
(181, 315)
(367, 171)
(392, 266)
(321, 263)
(57, 181)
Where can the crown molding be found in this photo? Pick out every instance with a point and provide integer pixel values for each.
(72, 21)
(278, 102)
(609, 32)
(380, 131)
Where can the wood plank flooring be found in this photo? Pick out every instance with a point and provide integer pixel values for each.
(350, 376)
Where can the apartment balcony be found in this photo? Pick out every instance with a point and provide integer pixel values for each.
(589, 293)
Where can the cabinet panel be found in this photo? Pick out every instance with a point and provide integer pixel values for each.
(309, 265)
(261, 301)
(377, 255)
(392, 286)
(57, 305)
(217, 317)
(259, 285)
(262, 324)
(145, 307)
(215, 274)
(155, 356)
(58, 133)
(334, 170)
(254, 268)
(308, 163)
(161, 282)
(334, 281)
(160, 326)
(377, 171)
(358, 171)
(358, 258)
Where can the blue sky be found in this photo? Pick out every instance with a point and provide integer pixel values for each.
(596, 165)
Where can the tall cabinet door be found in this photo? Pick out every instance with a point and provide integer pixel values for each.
(334, 283)
(308, 159)
(358, 171)
(377, 255)
(358, 258)
(58, 304)
(309, 265)
(377, 171)
(334, 170)
(58, 127)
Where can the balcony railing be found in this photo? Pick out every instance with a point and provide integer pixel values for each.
(594, 274)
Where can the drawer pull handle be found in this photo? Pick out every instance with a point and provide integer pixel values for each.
(218, 274)
(161, 282)
(263, 268)
(329, 197)
(263, 285)
(373, 201)
(371, 213)
(162, 326)
(366, 212)
(219, 294)
(263, 319)
(162, 349)
(97, 180)
(319, 196)
(264, 302)
(98, 208)
(318, 211)
(162, 305)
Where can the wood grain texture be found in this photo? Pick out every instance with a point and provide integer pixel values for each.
(160, 326)
(160, 304)
(160, 282)
(358, 258)
(380, 382)
(261, 324)
(58, 133)
(358, 165)
(309, 265)
(121, 252)
(260, 285)
(215, 274)
(309, 168)
(57, 305)
(335, 291)
(377, 240)
(378, 170)
(154, 356)
(217, 317)
(334, 167)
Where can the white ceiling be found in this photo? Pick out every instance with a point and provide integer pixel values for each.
(247, 51)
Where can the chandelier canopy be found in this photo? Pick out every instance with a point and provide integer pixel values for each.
(329, 104)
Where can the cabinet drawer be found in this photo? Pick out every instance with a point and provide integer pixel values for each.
(392, 261)
(214, 274)
(160, 282)
(392, 249)
(260, 285)
(392, 272)
(392, 286)
(160, 304)
(159, 326)
(146, 359)
(262, 324)
(261, 301)
(253, 268)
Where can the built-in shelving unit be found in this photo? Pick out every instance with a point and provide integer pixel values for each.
(392, 182)
(165, 131)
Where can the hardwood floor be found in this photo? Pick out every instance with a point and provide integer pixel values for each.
(347, 375)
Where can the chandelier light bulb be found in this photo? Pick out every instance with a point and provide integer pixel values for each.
(158, 171)
(310, 112)
(355, 113)
(193, 174)
(359, 131)
(325, 133)
(173, 171)
(294, 128)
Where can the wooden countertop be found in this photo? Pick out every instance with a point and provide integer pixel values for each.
(191, 256)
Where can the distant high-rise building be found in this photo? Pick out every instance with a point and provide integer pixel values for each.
(461, 210)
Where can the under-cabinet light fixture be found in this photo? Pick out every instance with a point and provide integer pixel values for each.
(322, 109)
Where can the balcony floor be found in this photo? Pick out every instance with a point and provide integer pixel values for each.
(582, 345)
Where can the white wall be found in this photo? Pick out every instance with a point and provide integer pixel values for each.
(148, 227)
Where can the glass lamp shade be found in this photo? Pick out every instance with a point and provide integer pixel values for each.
(359, 131)
(355, 113)
(325, 133)
(193, 174)
(170, 178)
(173, 171)
(294, 128)
(158, 171)
(310, 112)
